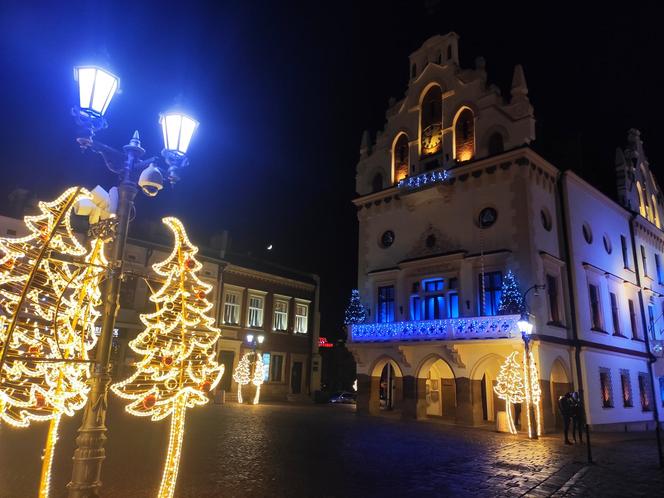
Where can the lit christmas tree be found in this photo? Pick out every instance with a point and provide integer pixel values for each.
(243, 374)
(355, 312)
(179, 367)
(509, 386)
(48, 307)
(511, 300)
(533, 393)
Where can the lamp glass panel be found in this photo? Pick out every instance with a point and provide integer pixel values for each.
(104, 88)
(86, 81)
(187, 131)
(173, 123)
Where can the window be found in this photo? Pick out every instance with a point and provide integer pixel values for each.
(464, 136)
(644, 261)
(232, 308)
(546, 220)
(658, 268)
(632, 319)
(606, 390)
(552, 292)
(607, 244)
(280, 315)
(449, 52)
(400, 157)
(276, 368)
(587, 233)
(128, 292)
(615, 317)
(301, 318)
(255, 311)
(651, 321)
(644, 391)
(431, 122)
(413, 70)
(626, 389)
(377, 182)
(625, 254)
(661, 390)
(11, 232)
(434, 299)
(385, 304)
(490, 292)
(595, 312)
(496, 144)
(453, 298)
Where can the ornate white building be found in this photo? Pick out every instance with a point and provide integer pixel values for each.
(451, 197)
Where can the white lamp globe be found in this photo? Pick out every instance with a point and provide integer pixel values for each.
(178, 129)
(96, 88)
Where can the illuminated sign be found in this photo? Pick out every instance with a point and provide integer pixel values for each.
(322, 343)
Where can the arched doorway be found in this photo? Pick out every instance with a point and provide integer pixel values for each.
(484, 397)
(559, 384)
(386, 386)
(436, 379)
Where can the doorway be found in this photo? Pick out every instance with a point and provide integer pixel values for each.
(296, 377)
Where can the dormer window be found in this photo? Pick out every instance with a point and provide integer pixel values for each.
(464, 135)
(400, 158)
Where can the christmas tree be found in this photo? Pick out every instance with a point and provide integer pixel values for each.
(355, 312)
(179, 366)
(509, 386)
(511, 300)
(243, 374)
(533, 393)
(48, 307)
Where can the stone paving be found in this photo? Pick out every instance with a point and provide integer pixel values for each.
(328, 451)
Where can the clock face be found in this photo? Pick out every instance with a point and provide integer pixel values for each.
(387, 239)
(488, 217)
(431, 140)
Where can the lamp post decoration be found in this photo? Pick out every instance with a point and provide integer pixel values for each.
(250, 369)
(179, 365)
(97, 88)
(48, 298)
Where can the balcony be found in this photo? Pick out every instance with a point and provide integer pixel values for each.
(451, 329)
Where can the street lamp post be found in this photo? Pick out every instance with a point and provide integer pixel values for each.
(526, 329)
(96, 90)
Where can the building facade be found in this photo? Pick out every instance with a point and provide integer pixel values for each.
(451, 198)
(248, 296)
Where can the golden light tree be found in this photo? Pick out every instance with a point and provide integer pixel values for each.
(532, 392)
(48, 306)
(179, 366)
(243, 374)
(509, 386)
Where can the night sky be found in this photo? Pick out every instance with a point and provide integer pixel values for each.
(283, 92)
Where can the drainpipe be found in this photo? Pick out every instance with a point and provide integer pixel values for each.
(562, 193)
(651, 358)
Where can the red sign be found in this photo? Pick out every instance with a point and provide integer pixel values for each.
(322, 343)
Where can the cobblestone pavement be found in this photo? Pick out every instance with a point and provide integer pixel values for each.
(329, 451)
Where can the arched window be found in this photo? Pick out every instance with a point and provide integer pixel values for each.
(431, 122)
(400, 157)
(496, 144)
(449, 52)
(655, 213)
(439, 59)
(464, 135)
(377, 182)
(642, 206)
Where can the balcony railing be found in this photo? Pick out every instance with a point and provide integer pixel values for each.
(451, 329)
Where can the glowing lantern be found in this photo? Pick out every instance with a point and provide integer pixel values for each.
(96, 88)
(178, 130)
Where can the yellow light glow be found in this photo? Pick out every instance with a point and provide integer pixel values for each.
(243, 374)
(49, 305)
(178, 367)
(509, 386)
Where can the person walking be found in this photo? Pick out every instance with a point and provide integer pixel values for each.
(566, 406)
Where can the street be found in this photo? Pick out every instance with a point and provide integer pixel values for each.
(312, 450)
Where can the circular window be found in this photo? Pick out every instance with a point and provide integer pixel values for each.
(546, 219)
(587, 233)
(487, 217)
(607, 244)
(387, 239)
(430, 241)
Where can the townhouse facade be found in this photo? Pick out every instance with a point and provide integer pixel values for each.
(451, 197)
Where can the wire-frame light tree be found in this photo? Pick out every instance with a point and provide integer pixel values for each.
(532, 392)
(179, 365)
(244, 375)
(509, 386)
(48, 306)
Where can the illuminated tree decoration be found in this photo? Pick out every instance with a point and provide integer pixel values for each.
(533, 393)
(509, 386)
(511, 300)
(355, 312)
(48, 308)
(243, 374)
(179, 367)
